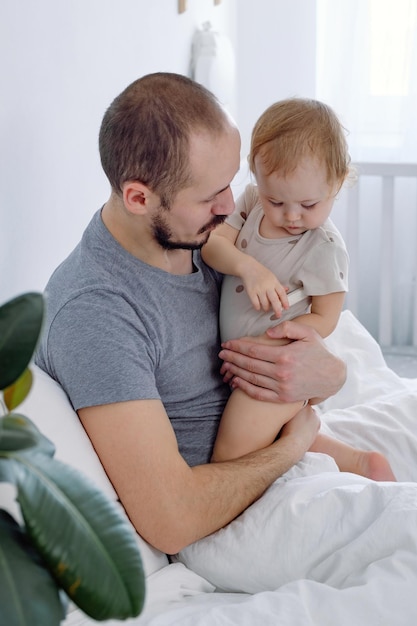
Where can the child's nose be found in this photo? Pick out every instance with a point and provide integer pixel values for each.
(292, 214)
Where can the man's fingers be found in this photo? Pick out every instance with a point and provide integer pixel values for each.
(257, 393)
(241, 352)
(293, 331)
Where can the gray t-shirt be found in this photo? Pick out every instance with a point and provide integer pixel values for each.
(118, 329)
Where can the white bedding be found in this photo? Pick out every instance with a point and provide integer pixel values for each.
(320, 547)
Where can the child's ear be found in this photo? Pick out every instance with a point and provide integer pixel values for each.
(137, 197)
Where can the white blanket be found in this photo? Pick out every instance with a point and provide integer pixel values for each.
(345, 546)
(320, 548)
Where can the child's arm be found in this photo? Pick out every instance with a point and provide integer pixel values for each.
(220, 251)
(324, 314)
(263, 288)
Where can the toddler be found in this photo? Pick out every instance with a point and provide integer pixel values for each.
(281, 228)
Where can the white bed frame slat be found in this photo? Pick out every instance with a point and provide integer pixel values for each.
(387, 173)
(415, 306)
(386, 275)
(352, 238)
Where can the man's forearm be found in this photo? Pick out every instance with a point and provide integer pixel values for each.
(215, 494)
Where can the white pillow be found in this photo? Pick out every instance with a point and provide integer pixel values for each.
(368, 376)
(49, 408)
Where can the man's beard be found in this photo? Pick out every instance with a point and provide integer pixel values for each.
(163, 234)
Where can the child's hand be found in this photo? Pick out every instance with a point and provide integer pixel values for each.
(264, 289)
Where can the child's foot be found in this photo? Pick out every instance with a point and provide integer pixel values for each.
(373, 465)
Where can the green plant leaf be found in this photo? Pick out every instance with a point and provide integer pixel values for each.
(17, 433)
(82, 537)
(20, 326)
(28, 593)
(19, 436)
(18, 391)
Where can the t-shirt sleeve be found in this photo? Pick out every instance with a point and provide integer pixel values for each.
(325, 269)
(99, 334)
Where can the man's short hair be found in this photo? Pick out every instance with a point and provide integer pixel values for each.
(144, 135)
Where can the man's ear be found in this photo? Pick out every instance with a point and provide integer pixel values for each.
(137, 197)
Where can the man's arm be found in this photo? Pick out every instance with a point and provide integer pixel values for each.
(303, 368)
(170, 504)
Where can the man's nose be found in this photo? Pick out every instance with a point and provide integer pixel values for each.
(224, 203)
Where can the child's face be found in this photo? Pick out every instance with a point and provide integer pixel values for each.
(298, 202)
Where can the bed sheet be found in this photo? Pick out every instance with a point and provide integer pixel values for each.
(320, 547)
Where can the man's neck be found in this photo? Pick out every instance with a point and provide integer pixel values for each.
(136, 239)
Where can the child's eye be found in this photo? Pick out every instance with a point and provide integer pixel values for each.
(309, 206)
(275, 203)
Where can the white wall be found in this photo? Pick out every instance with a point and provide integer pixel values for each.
(62, 63)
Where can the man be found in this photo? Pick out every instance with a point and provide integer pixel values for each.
(131, 331)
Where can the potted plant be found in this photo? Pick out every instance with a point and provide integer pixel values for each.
(69, 537)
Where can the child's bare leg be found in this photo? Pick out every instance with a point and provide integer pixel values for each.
(365, 463)
(248, 425)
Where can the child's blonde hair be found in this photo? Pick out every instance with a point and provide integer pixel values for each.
(297, 127)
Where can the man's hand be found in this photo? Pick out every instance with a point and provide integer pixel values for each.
(302, 369)
(302, 428)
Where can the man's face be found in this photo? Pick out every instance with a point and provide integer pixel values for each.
(199, 208)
